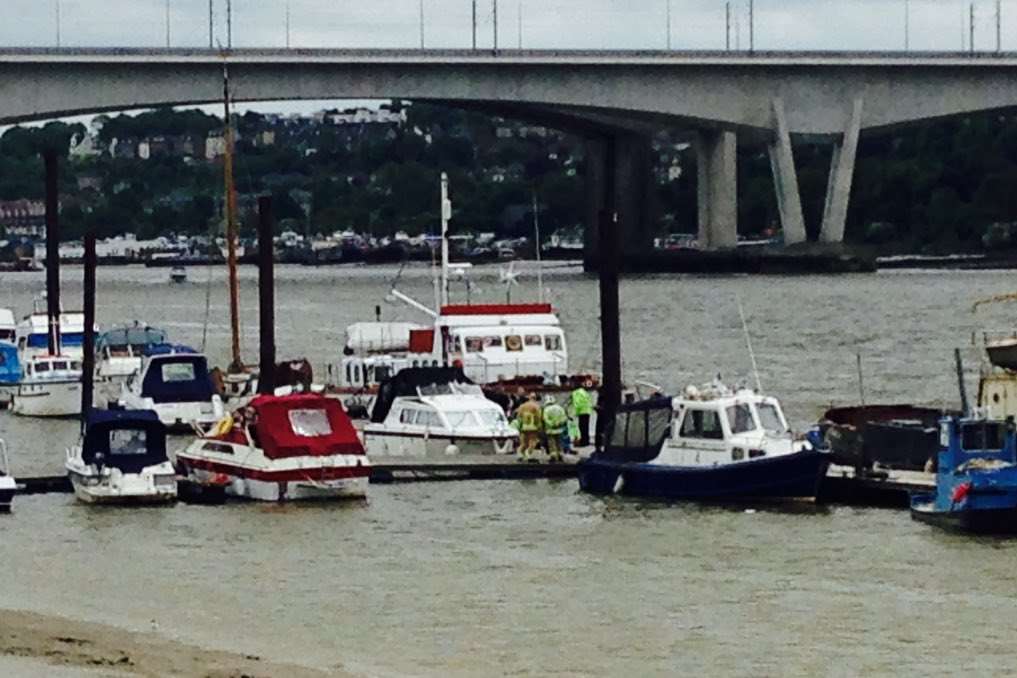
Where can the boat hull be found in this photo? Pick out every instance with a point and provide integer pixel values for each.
(998, 521)
(435, 446)
(48, 399)
(788, 476)
(259, 484)
(102, 492)
(8, 488)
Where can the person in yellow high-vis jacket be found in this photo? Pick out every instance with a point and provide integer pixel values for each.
(529, 418)
(555, 423)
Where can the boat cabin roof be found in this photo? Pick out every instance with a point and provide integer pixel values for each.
(406, 382)
(302, 425)
(129, 440)
(467, 315)
(135, 335)
(177, 378)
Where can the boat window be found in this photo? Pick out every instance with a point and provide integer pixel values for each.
(41, 367)
(349, 374)
(21, 344)
(739, 418)
(769, 417)
(513, 342)
(534, 340)
(492, 418)
(127, 442)
(458, 419)
(7, 335)
(381, 373)
(310, 423)
(60, 365)
(702, 424)
(177, 372)
(457, 344)
(356, 374)
(75, 365)
(429, 419)
(552, 342)
(983, 436)
(474, 344)
(406, 416)
(492, 342)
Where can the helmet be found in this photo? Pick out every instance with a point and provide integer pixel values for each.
(549, 400)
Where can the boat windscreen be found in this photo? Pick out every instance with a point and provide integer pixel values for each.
(983, 435)
(407, 382)
(638, 431)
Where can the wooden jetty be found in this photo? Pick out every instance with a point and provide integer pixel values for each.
(843, 485)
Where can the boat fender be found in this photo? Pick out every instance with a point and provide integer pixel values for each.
(619, 482)
(222, 427)
(452, 449)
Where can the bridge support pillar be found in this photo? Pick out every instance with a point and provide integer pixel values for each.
(717, 167)
(785, 178)
(842, 170)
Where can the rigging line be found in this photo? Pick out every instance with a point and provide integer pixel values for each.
(748, 343)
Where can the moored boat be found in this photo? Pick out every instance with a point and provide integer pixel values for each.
(178, 274)
(8, 486)
(121, 459)
(120, 350)
(49, 387)
(711, 444)
(282, 448)
(436, 412)
(10, 370)
(175, 383)
(976, 478)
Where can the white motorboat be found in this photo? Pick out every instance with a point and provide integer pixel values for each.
(32, 333)
(178, 274)
(49, 387)
(711, 444)
(174, 382)
(434, 412)
(8, 486)
(121, 459)
(282, 448)
(120, 349)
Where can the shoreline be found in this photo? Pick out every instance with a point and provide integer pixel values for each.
(99, 649)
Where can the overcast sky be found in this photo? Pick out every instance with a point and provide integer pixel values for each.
(621, 24)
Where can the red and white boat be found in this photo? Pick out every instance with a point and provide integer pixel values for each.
(282, 448)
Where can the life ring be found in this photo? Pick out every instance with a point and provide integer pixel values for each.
(514, 342)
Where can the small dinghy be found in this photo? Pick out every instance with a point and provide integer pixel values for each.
(178, 274)
(8, 486)
(710, 444)
(122, 460)
(976, 479)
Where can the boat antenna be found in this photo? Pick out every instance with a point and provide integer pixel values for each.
(231, 220)
(748, 343)
(536, 236)
(446, 214)
(960, 382)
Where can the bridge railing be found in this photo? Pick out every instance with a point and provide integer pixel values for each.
(506, 25)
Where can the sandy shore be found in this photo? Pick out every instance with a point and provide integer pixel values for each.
(102, 650)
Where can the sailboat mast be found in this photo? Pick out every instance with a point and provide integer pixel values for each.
(446, 214)
(231, 225)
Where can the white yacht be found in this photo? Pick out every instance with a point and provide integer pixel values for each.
(434, 412)
(120, 349)
(8, 486)
(175, 383)
(121, 459)
(49, 387)
(284, 447)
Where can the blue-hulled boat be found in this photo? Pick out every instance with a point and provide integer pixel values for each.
(10, 370)
(713, 444)
(976, 478)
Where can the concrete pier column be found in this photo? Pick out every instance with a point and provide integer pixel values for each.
(842, 170)
(785, 178)
(717, 168)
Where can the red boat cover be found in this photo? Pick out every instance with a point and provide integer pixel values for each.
(421, 341)
(279, 415)
(496, 309)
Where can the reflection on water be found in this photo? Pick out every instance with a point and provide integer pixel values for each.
(482, 578)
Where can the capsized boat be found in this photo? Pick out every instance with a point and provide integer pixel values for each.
(8, 486)
(121, 459)
(710, 444)
(976, 478)
(282, 448)
(175, 383)
(436, 412)
(50, 387)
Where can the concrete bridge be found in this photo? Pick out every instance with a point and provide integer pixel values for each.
(615, 99)
(612, 98)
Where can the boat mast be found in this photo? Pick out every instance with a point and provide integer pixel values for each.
(231, 225)
(536, 235)
(446, 214)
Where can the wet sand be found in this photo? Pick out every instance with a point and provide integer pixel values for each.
(30, 643)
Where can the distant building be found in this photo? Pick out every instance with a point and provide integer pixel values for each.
(215, 146)
(23, 217)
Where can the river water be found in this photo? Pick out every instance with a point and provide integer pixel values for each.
(533, 578)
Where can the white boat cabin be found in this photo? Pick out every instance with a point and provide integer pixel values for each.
(32, 334)
(717, 426)
(490, 342)
(52, 368)
(8, 326)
